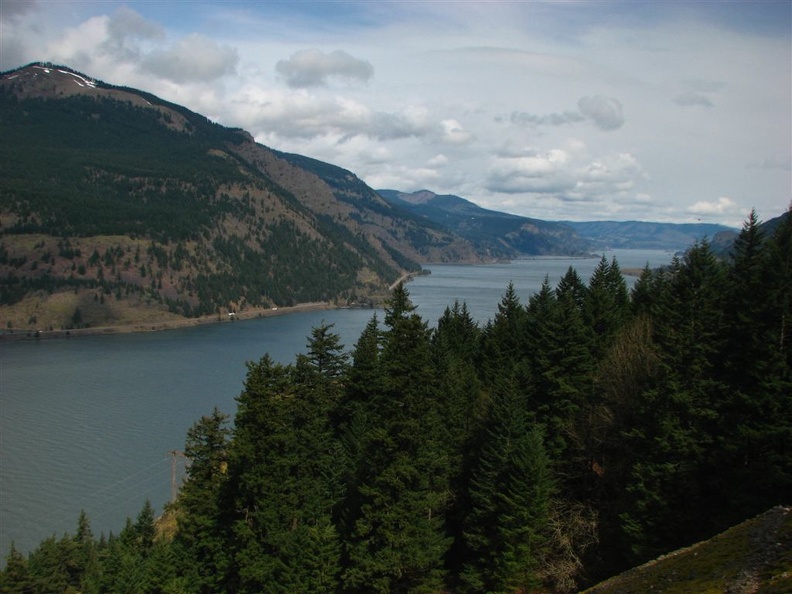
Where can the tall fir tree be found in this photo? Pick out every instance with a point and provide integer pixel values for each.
(282, 480)
(607, 302)
(397, 540)
(510, 492)
(202, 519)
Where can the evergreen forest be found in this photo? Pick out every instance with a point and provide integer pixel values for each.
(569, 438)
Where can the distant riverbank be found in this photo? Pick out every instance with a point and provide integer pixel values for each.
(168, 324)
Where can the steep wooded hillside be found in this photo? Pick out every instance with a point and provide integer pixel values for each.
(498, 234)
(116, 205)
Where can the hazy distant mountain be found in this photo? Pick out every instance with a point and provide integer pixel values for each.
(114, 203)
(641, 235)
(500, 234)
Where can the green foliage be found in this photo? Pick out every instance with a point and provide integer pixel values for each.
(510, 490)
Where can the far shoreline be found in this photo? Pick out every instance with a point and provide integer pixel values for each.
(171, 324)
(161, 325)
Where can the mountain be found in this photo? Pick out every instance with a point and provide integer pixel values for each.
(642, 235)
(498, 234)
(755, 556)
(117, 206)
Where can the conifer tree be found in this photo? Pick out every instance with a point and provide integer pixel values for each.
(607, 302)
(643, 297)
(202, 521)
(510, 491)
(572, 285)
(396, 538)
(282, 481)
(668, 503)
(755, 413)
(503, 339)
(15, 578)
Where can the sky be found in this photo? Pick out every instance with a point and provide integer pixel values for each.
(666, 111)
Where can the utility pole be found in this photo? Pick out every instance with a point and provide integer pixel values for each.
(175, 454)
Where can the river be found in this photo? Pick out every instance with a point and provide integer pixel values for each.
(88, 423)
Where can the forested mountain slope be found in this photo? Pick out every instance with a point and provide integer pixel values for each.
(500, 234)
(112, 200)
(645, 235)
(584, 431)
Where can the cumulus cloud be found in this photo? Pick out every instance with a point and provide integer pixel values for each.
(692, 99)
(280, 115)
(531, 173)
(566, 174)
(313, 68)
(452, 132)
(193, 59)
(722, 206)
(605, 112)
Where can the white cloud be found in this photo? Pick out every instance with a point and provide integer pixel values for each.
(313, 68)
(722, 206)
(452, 132)
(566, 175)
(194, 58)
(125, 28)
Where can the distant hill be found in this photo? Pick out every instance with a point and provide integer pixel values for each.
(499, 234)
(642, 235)
(755, 556)
(116, 205)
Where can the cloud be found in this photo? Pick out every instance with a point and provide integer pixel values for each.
(193, 59)
(278, 115)
(313, 68)
(569, 175)
(543, 173)
(11, 9)
(403, 177)
(124, 29)
(691, 98)
(722, 206)
(452, 132)
(553, 119)
(606, 112)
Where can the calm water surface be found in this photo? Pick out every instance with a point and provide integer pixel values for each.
(88, 423)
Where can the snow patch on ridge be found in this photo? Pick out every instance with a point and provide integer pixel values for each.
(86, 82)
